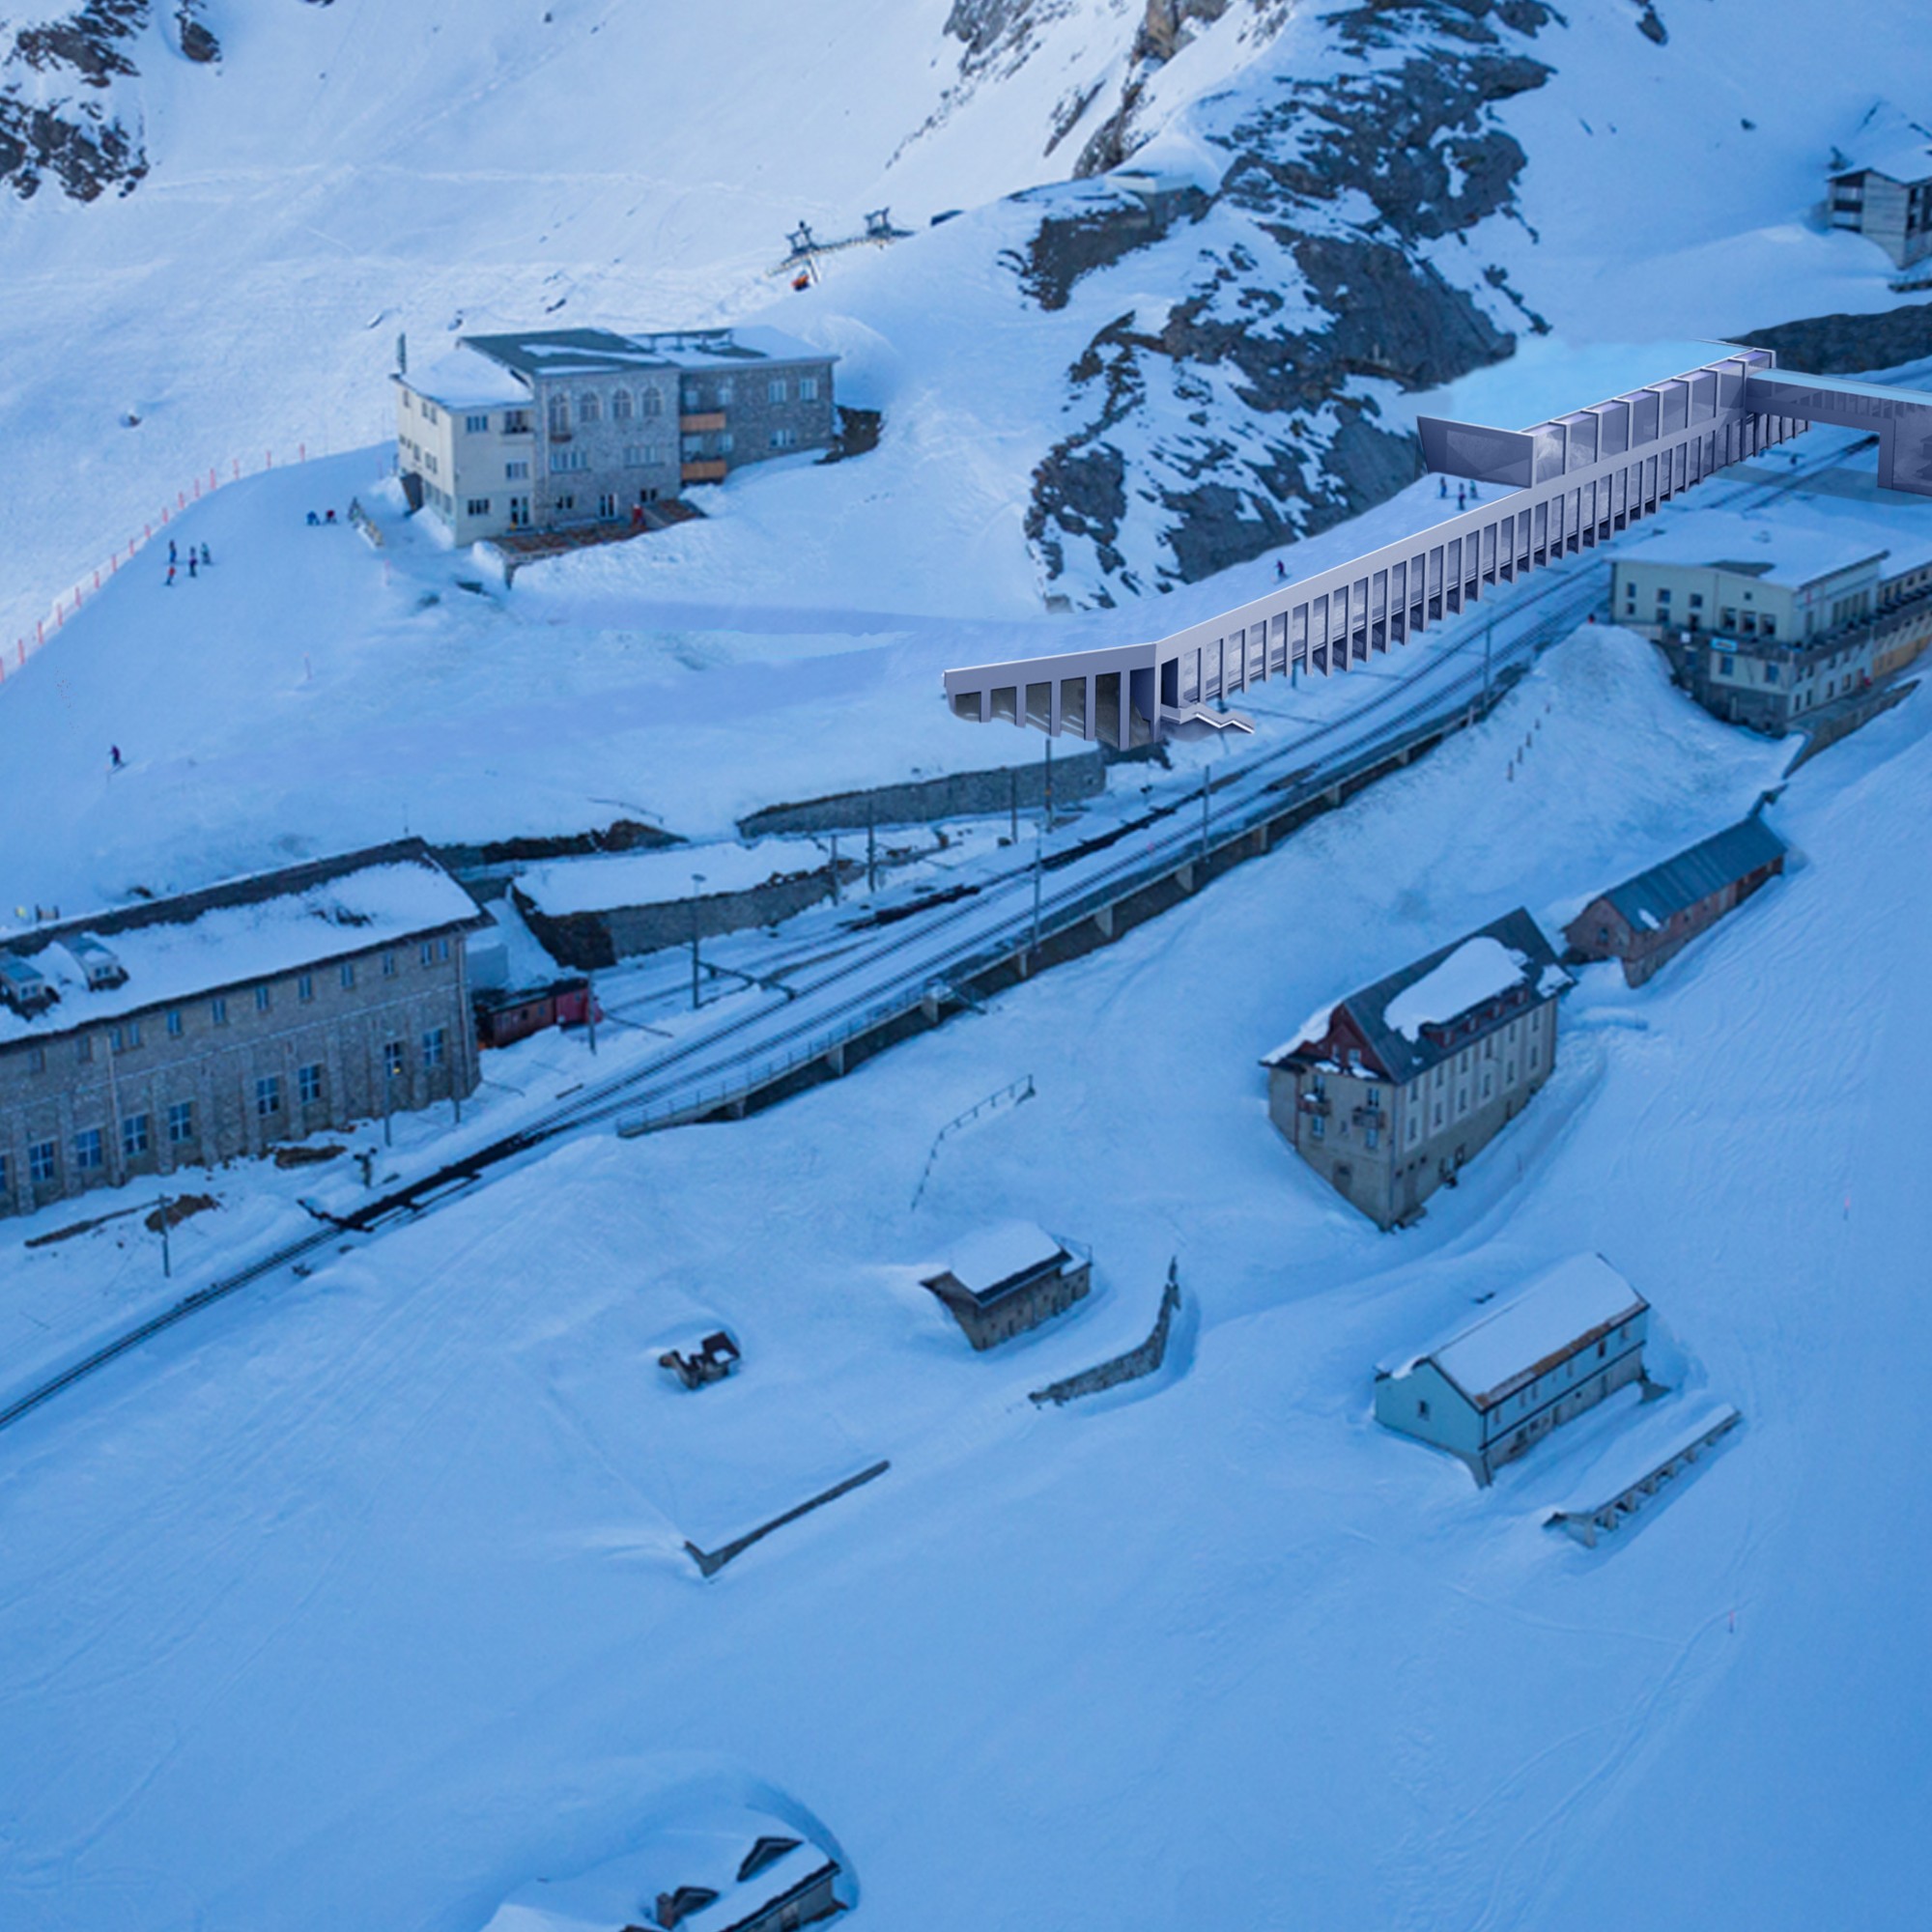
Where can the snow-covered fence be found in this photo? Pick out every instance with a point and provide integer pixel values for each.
(1008, 1096)
(204, 483)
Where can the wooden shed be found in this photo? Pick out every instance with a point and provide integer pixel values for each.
(1003, 1280)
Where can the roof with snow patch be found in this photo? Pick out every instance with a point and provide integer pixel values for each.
(992, 1262)
(604, 352)
(1648, 900)
(1436, 1006)
(1778, 550)
(241, 930)
(464, 380)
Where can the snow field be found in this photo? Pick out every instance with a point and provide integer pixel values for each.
(375, 1603)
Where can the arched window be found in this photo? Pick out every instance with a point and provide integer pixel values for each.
(654, 402)
(620, 406)
(588, 407)
(559, 415)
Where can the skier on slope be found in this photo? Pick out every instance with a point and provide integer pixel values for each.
(114, 753)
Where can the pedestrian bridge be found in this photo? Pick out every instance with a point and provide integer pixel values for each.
(1572, 483)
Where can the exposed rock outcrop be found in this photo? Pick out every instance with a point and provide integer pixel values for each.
(58, 117)
(1847, 344)
(1250, 412)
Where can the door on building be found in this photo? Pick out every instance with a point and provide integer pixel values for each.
(607, 507)
(520, 513)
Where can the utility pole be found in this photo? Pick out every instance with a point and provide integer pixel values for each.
(590, 1011)
(167, 1259)
(835, 868)
(1049, 779)
(1013, 800)
(388, 1097)
(1039, 867)
(696, 880)
(1204, 814)
(871, 845)
(1489, 632)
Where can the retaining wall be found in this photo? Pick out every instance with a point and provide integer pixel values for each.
(957, 795)
(1139, 1361)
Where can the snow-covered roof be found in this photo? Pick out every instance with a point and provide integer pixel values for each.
(601, 351)
(1400, 1017)
(246, 929)
(1779, 550)
(663, 877)
(464, 380)
(708, 1854)
(986, 1259)
(1888, 143)
(1562, 1309)
(1477, 970)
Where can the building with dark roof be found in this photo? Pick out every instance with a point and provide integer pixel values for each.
(194, 1029)
(1654, 917)
(1387, 1092)
(1002, 1280)
(552, 428)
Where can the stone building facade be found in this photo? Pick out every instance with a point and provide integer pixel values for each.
(1650, 919)
(1389, 1093)
(1883, 189)
(555, 428)
(1005, 1279)
(257, 1012)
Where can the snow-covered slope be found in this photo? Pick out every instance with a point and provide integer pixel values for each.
(365, 1604)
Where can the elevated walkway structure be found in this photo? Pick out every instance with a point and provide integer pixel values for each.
(1572, 483)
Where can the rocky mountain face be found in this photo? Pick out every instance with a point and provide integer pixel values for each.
(63, 116)
(1309, 283)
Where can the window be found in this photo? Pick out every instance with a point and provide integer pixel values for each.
(87, 1156)
(175, 1024)
(305, 986)
(41, 1163)
(563, 460)
(589, 408)
(83, 1048)
(620, 406)
(520, 513)
(478, 506)
(808, 389)
(559, 415)
(1375, 1099)
(133, 1135)
(1439, 1112)
(1372, 1137)
(654, 403)
(348, 972)
(392, 1057)
(124, 1038)
(433, 1041)
(561, 503)
(434, 949)
(1602, 1350)
(181, 1122)
(476, 425)
(1696, 600)
(263, 999)
(308, 1085)
(36, 1060)
(724, 442)
(1664, 596)
(1771, 673)
(689, 400)
(518, 471)
(784, 439)
(269, 1095)
(775, 390)
(516, 422)
(640, 456)
(388, 965)
(431, 413)
(607, 505)
(1317, 1127)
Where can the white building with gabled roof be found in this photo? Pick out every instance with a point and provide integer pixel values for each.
(1881, 186)
(1497, 1384)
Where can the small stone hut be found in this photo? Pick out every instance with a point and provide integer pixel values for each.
(1003, 1280)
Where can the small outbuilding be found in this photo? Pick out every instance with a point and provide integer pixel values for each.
(1650, 919)
(1494, 1387)
(1003, 1280)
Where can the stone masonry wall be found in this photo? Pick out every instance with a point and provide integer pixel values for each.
(1137, 1362)
(920, 802)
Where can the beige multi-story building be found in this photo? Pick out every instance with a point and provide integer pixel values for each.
(1767, 621)
(576, 426)
(1883, 189)
(1388, 1093)
(192, 1030)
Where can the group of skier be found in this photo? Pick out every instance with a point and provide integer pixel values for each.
(197, 561)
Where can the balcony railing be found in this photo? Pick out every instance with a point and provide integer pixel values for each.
(701, 420)
(704, 470)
